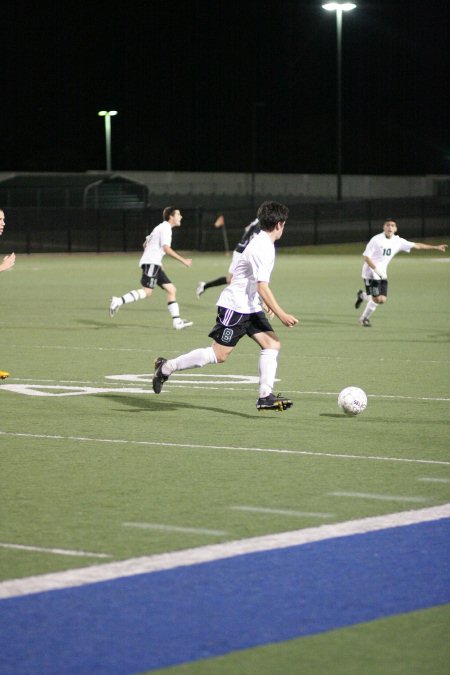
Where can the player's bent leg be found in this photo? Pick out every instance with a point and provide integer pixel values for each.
(221, 352)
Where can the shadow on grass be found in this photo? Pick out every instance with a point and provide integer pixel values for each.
(154, 404)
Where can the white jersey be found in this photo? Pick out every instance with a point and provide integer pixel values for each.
(381, 250)
(159, 237)
(255, 264)
(249, 232)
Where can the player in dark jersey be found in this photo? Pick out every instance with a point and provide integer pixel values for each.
(249, 233)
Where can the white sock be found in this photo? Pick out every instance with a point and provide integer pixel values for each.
(195, 359)
(267, 371)
(370, 308)
(174, 309)
(364, 296)
(134, 296)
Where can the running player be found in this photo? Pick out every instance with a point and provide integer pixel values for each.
(377, 255)
(239, 313)
(156, 245)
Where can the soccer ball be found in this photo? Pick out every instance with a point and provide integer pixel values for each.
(352, 400)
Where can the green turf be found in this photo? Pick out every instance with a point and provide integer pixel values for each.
(74, 469)
(412, 644)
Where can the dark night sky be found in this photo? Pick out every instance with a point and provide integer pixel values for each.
(185, 76)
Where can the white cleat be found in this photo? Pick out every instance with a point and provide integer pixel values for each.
(179, 324)
(114, 305)
(200, 289)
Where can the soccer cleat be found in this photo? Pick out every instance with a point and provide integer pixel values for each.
(159, 378)
(272, 402)
(365, 322)
(359, 299)
(114, 305)
(200, 289)
(4, 374)
(179, 324)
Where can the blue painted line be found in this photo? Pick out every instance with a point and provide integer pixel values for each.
(166, 618)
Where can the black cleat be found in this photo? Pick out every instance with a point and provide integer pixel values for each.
(359, 299)
(272, 402)
(365, 322)
(159, 378)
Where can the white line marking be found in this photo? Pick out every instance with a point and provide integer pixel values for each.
(381, 498)
(241, 381)
(203, 554)
(194, 446)
(56, 551)
(281, 512)
(435, 480)
(174, 528)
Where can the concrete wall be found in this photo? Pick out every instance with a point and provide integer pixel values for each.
(292, 186)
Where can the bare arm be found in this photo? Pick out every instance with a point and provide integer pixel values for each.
(8, 262)
(173, 254)
(269, 300)
(427, 247)
(369, 261)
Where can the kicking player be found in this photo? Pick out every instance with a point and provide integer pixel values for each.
(156, 245)
(377, 255)
(240, 313)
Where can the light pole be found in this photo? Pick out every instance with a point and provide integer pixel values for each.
(339, 7)
(107, 114)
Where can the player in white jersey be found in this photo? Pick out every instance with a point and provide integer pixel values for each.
(239, 313)
(249, 232)
(377, 255)
(156, 245)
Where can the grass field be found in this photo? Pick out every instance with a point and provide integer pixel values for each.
(96, 469)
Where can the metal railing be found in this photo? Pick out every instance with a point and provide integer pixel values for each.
(70, 229)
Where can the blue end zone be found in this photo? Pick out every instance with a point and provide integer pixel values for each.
(155, 620)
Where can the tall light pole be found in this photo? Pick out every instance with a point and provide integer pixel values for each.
(107, 114)
(339, 7)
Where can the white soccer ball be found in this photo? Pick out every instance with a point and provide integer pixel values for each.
(352, 400)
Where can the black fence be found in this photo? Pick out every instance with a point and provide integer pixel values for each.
(70, 230)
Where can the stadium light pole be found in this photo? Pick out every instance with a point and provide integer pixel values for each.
(107, 114)
(339, 7)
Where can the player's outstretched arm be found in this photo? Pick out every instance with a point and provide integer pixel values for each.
(428, 247)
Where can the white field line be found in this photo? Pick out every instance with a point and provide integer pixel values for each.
(281, 512)
(196, 446)
(55, 551)
(435, 480)
(87, 387)
(204, 554)
(174, 528)
(381, 498)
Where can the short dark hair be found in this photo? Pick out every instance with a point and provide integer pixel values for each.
(388, 219)
(271, 213)
(169, 211)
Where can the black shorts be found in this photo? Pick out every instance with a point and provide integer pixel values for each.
(231, 326)
(376, 287)
(152, 275)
